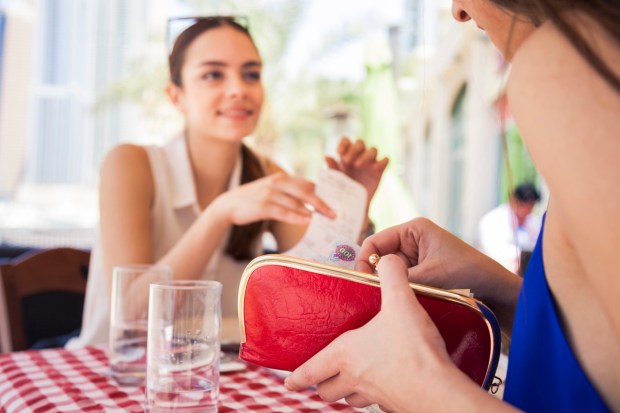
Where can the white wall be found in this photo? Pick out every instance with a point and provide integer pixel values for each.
(15, 85)
(463, 56)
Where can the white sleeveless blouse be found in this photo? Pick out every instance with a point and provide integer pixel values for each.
(175, 209)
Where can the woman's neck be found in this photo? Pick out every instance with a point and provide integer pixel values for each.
(212, 163)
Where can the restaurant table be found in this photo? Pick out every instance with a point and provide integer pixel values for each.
(60, 380)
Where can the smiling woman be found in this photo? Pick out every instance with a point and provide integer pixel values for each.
(208, 66)
(200, 203)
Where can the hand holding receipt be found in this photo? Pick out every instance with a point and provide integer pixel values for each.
(333, 240)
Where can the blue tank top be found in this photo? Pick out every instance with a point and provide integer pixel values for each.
(543, 373)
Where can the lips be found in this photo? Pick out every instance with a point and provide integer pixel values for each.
(235, 113)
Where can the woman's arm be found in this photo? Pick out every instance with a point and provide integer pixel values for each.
(126, 199)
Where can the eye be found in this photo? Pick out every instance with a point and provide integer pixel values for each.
(212, 75)
(252, 76)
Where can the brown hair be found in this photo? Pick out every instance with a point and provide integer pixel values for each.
(605, 12)
(242, 237)
(176, 59)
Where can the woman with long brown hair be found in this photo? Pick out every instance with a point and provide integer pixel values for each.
(564, 91)
(200, 203)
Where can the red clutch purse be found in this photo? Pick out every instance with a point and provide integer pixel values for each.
(290, 309)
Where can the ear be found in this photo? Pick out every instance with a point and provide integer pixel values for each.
(175, 94)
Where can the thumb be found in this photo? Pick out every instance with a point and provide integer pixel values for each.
(393, 277)
(331, 162)
(383, 163)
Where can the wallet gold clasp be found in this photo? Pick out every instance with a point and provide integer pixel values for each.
(374, 260)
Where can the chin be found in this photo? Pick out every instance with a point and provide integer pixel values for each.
(234, 131)
(236, 136)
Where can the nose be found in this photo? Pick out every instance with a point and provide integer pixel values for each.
(459, 14)
(237, 88)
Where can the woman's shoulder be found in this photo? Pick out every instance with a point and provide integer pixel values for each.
(549, 59)
(554, 89)
(126, 152)
(127, 163)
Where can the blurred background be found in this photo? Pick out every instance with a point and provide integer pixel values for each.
(80, 76)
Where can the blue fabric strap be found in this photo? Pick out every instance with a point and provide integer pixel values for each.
(543, 373)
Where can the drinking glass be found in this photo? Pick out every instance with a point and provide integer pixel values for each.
(183, 351)
(129, 319)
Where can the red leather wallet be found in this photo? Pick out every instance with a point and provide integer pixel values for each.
(290, 309)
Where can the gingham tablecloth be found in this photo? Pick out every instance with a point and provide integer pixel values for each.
(78, 381)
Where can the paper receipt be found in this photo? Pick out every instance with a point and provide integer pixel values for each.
(335, 241)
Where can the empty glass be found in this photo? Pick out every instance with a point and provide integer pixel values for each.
(129, 319)
(183, 364)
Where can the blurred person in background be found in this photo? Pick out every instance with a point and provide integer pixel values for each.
(510, 230)
(201, 203)
(564, 318)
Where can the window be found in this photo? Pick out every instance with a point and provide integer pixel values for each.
(457, 162)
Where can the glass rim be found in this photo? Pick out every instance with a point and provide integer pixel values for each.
(140, 267)
(186, 284)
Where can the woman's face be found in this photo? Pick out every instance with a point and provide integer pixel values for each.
(496, 22)
(222, 92)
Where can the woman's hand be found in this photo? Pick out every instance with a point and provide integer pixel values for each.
(433, 255)
(360, 163)
(277, 197)
(397, 360)
(436, 257)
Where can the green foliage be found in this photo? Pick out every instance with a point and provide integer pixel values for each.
(522, 168)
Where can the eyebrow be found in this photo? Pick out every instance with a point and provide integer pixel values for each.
(246, 65)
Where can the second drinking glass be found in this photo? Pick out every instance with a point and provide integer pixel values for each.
(129, 320)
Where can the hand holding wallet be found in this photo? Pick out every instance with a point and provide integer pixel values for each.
(290, 309)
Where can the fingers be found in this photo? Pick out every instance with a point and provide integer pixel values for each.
(365, 156)
(333, 389)
(382, 164)
(399, 301)
(382, 243)
(394, 282)
(278, 196)
(287, 209)
(344, 145)
(331, 163)
(302, 190)
(408, 240)
(369, 157)
(357, 400)
(321, 367)
(355, 154)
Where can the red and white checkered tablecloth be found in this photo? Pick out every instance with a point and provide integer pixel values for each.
(62, 380)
